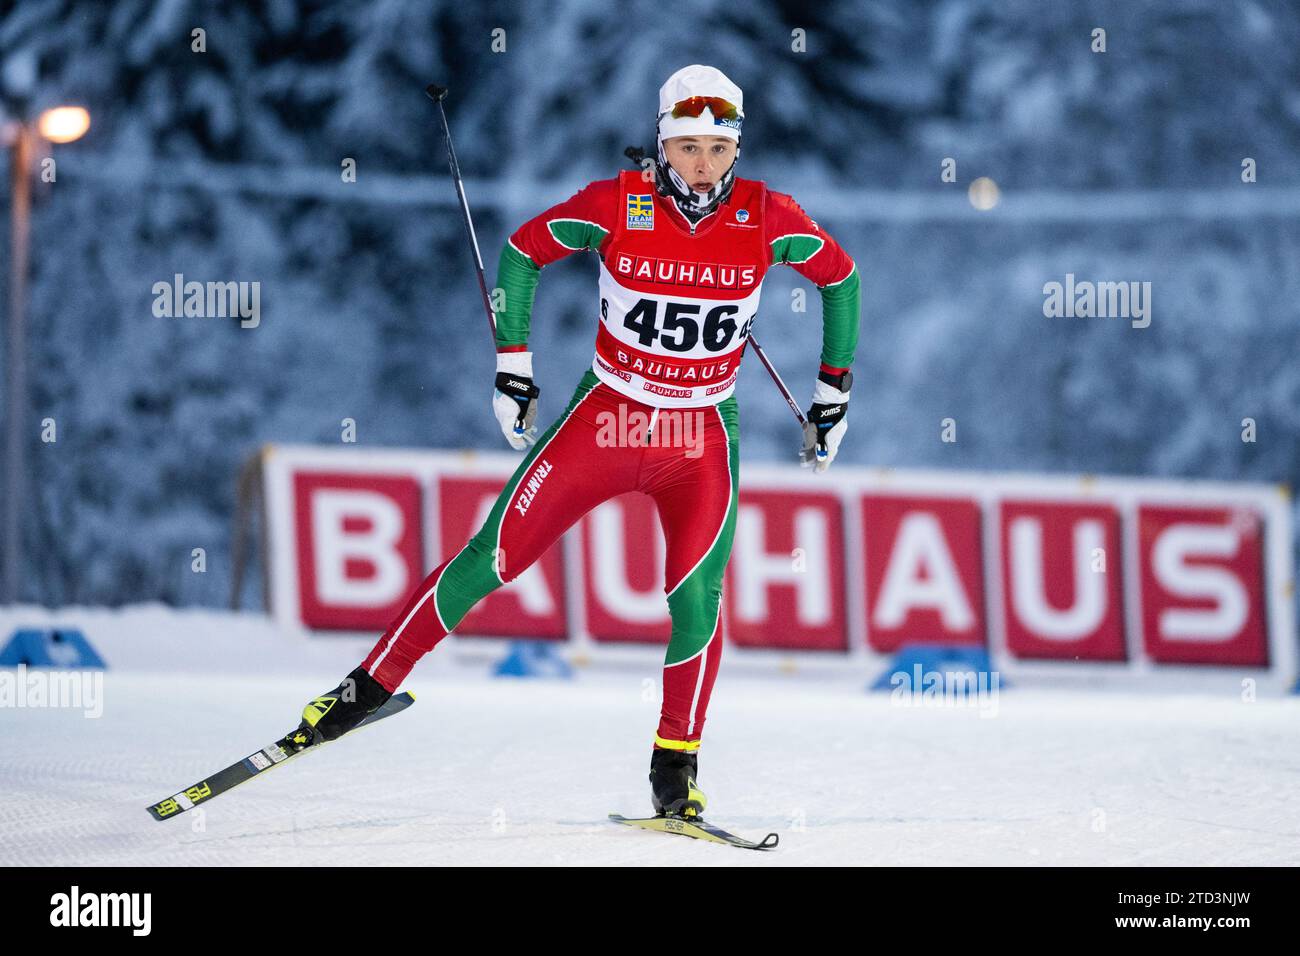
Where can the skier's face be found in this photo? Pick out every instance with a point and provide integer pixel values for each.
(700, 160)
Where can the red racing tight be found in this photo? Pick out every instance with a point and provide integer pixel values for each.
(687, 460)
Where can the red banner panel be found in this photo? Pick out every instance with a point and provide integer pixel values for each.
(531, 605)
(924, 582)
(358, 547)
(784, 585)
(1062, 580)
(1203, 585)
(623, 572)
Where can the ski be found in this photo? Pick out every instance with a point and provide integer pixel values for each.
(697, 829)
(269, 757)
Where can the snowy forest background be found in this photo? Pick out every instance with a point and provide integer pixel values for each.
(224, 165)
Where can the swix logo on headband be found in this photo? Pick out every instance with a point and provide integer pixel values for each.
(694, 90)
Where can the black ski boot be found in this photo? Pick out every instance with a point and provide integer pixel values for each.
(335, 712)
(673, 791)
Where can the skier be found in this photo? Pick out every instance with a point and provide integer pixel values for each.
(682, 262)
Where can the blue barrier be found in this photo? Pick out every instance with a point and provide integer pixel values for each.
(63, 648)
(532, 659)
(937, 666)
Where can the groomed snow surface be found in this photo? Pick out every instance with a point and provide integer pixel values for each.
(492, 772)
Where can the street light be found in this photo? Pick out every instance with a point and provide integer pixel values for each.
(63, 124)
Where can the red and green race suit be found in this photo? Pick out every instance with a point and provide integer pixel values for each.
(676, 307)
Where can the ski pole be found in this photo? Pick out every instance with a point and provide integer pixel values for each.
(438, 94)
(794, 406)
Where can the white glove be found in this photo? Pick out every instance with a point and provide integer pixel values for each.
(515, 399)
(827, 423)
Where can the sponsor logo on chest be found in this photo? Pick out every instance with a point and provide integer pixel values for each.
(708, 275)
(640, 211)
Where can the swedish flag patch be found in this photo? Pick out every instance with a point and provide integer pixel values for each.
(640, 211)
